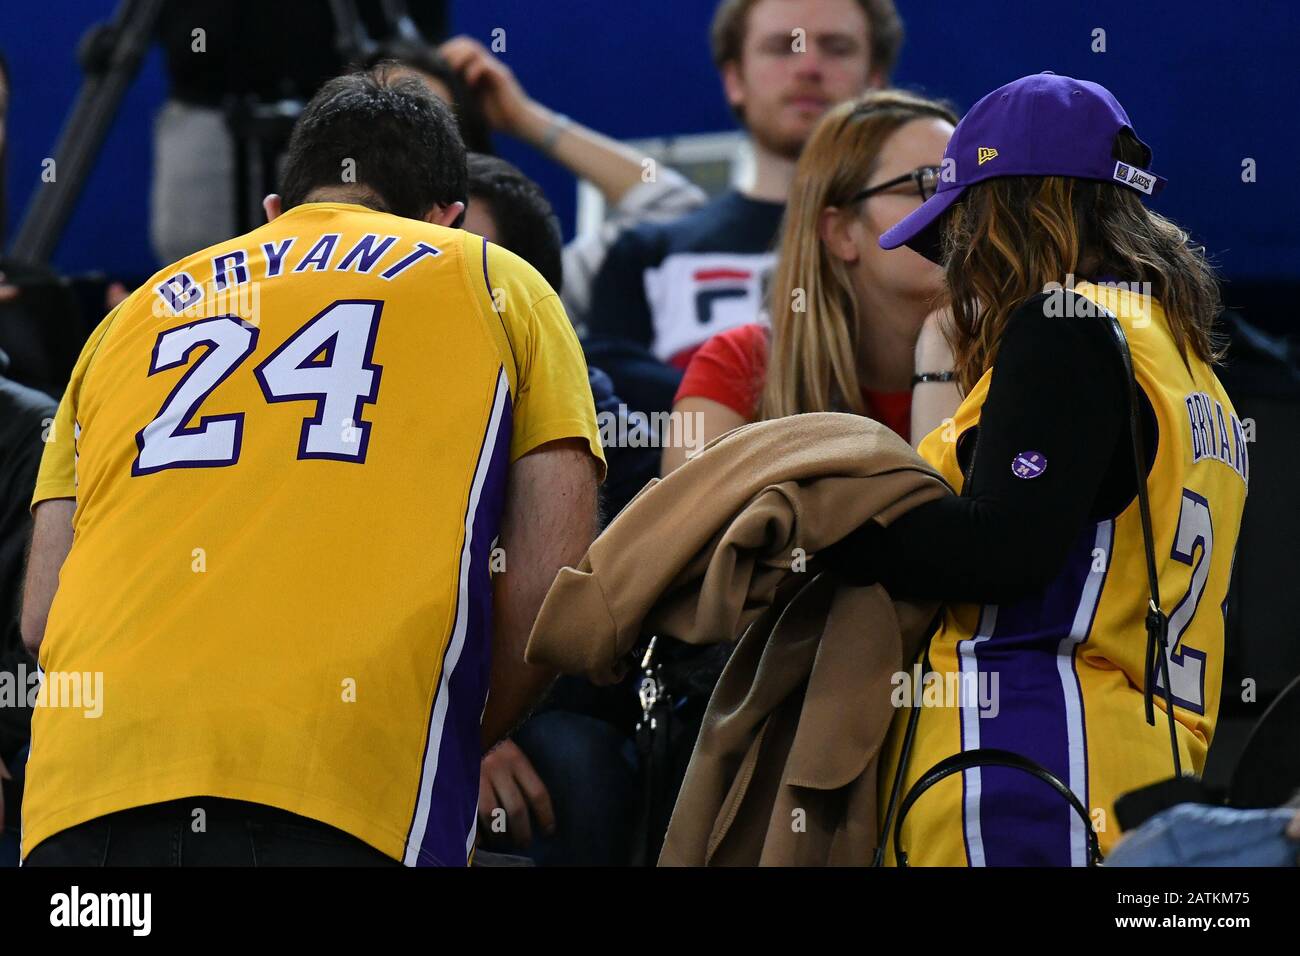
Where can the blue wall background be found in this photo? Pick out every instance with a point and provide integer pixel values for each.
(1207, 84)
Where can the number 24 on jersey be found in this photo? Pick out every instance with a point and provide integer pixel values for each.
(327, 361)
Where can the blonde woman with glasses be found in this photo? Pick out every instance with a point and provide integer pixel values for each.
(845, 313)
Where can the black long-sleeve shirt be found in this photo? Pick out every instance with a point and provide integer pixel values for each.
(1058, 388)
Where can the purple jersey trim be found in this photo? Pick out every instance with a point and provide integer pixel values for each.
(443, 826)
(1010, 818)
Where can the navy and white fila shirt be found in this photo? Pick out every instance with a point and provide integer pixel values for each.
(671, 286)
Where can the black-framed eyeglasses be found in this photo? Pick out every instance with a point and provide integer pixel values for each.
(924, 178)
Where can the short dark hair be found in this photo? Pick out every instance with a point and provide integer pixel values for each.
(885, 26)
(403, 142)
(526, 224)
(474, 129)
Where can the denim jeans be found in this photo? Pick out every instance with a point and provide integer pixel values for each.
(1191, 834)
(589, 768)
(11, 834)
(232, 833)
(8, 847)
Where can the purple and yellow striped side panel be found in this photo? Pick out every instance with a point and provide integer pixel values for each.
(443, 826)
(1008, 817)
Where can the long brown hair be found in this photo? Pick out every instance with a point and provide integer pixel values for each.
(812, 362)
(1009, 237)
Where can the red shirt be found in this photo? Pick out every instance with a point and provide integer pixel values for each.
(730, 368)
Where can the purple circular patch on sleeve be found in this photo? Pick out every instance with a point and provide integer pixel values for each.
(1029, 464)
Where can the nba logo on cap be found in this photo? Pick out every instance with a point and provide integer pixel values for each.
(1137, 178)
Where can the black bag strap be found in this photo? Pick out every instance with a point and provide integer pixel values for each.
(990, 756)
(1157, 622)
(909, 738)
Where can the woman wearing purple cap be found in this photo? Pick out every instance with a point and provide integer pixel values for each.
(1041, 559)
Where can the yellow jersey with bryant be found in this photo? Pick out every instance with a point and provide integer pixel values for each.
(1059, 677)
(289, 454)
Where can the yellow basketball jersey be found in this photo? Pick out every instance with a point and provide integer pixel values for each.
(290, 461)
(1059, 677)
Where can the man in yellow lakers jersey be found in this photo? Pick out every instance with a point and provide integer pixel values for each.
(281, 479)
(1040, 560)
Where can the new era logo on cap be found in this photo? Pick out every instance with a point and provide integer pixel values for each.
(1139, 179)
(1050, 125)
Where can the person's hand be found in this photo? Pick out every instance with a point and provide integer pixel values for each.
(852, 559)
(7, 292)
(505, 104)
(1293, 832)
(507, 781)
(114, 295)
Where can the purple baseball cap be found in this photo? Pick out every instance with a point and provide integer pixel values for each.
(1040, 125)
